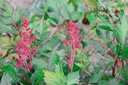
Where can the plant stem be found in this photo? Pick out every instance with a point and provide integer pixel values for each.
(72, 59)
(82, 74)
(122, 63)
(113, 68)
(23, 79)
(106, 68)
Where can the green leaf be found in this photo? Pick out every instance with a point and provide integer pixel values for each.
(59, 65)
(123, 73)
(36, 10)
(39, 63)
(82, 8)
(8, 9)
(73, 78)
(70, 8)
(91, 17)
(7, 28)
(4, 40)
(104, 83)
(118, 49)
(124, 54)
(1, 3)
(76, 15)
(58, 10)
(6, 20)
(6, 80)
(106, 27)
(16, 16)
(54, 78)
(126, 4)
(15, 79)
(113, 82)
(12, 72)
(9, 69)
(53, 58)
(95, 78)
(38, 77)
(121, 32)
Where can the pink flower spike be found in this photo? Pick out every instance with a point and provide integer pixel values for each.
(19, 62)
(74, 41)
(30, 65)
(34, 51)
(25, 22)
(70, 24)
(21, 44)
(24, 49)
(66, 42)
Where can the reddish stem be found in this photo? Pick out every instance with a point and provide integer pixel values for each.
(114, 22)
(106, 68)
(122, 63)
(72, 59)
(113, 68)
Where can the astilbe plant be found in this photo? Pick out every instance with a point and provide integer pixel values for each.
(74, 42)
(24, 50)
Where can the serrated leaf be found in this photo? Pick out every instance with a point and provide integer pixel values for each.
(82, 8)
(123, 73)
(54, 78)
(8, 8)
(16, 16)
(113, 82)
(6, 20)
(36, 10)
(121, 32)
(59, 65)
(38, 77)
(7, 28)
(70, 8)
(15, 79)
(9, 69)
(104, 83)
(95, 78)
(6, 80)
(39, 63)
(76, 15)
(73, 78)
(5, 43)
(53, 58)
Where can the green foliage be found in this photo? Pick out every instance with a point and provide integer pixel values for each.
(6, 80)
(121, 32)
(39, 63)
(38, 77)
(48, 20)
(95, 78)
(9, 17)
(6, 43)
(12, 72)
(54, 78)
(73, 78)
(83, 60)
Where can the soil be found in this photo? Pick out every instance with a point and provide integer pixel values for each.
(21, 3)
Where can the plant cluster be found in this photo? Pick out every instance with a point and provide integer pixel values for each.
(48, 44)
